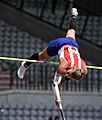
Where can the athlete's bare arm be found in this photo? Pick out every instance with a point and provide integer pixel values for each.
(62, 67)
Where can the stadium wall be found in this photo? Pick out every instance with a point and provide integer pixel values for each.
(47, 97)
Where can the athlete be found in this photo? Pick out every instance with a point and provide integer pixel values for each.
(70, 63)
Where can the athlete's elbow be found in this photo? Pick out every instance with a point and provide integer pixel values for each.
(86, 71)
(61, 70)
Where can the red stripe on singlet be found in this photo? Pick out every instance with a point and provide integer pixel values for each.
(72, 58)
(67, 56)
(75, 56)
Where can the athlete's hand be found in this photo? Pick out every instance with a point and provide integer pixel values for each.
(58, 102)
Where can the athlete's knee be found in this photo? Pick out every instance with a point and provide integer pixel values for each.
(71, 33)
(43, 55)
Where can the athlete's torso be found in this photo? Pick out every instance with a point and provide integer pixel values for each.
(72, 55)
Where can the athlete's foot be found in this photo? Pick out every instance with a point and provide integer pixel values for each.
(74, 12)
(21, 70)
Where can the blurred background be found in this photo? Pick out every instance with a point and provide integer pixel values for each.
(26, 27)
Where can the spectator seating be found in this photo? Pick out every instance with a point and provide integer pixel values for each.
(93, 28)
(25, 112)
(15, 43)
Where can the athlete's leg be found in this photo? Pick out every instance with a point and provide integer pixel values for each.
(72, 24)
(36, 56)
(50, 51)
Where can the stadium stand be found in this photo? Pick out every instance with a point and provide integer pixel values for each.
(12, 38)
(90, 23)
(15, 43)
(75, 112)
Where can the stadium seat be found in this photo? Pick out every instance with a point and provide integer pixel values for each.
(75, 118)
(12, 112)
(82, 118)
(19, 118)
(5, 112)
(90, 114)
(90, 108)
(4, 118)
(34, 112)
(76, 114)
(83, 108)
(40, 118)
(77, 108)
(48, 112)
(6, 106)
(69, 107)
(97, 115)
(41, 112)
(68, 118)
(33, 118)
(83, 114)
(55, 112)
(26, 118)
(69, 114)
(19, 112)
(11, 118)
(89, 118)
(20, 106)
(13, 106)
(26, 112)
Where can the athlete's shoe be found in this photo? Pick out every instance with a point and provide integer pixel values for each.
(21, 70)
(74, 12)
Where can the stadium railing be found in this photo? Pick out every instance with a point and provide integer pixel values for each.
(39, 77)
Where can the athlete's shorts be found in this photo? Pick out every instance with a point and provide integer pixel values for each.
(55, 45)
